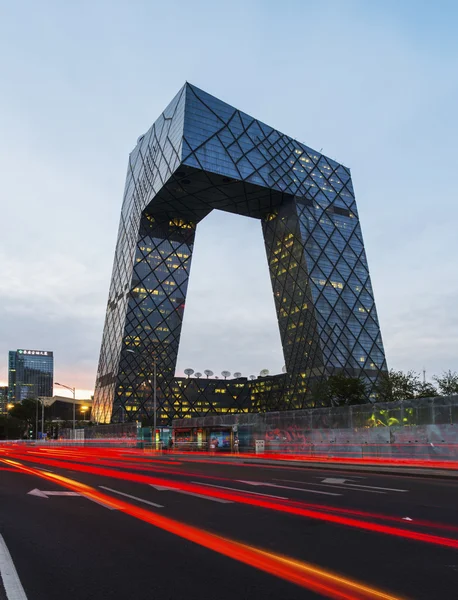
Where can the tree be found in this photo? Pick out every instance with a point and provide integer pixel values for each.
(264, 372)
(347, 391)
(447, 383)
(208, 373)
(188, 372)
(319, 393)
(225, 374)
(426, 390)
(25, 412)
(237, 375)
(198, 375)
(396, 385)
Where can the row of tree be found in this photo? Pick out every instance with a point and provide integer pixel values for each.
(337, 390)
(393, 386)
(397, 385)
(21, 422)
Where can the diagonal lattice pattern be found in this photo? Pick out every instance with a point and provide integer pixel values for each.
(202, 154)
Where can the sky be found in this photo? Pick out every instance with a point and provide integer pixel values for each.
(373, 85)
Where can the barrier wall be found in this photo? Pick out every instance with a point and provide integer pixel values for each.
(425, 428)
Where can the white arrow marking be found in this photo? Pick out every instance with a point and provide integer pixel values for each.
(286, 487)
(42, 494)
(9, 576)
(164, 488)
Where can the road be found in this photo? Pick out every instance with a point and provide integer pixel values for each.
(117, 524)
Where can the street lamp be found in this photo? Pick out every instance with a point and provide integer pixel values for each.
(84, 409)
(72, 389)
(154, 394)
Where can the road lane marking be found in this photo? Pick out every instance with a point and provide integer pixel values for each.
(372, 487)
(355, 486)
(100, 502)
(223, 487)
(335, 480)
(11, 582)
(338, 487)
(43, 494)
(286, 487)
(131, 497)
(164, 488)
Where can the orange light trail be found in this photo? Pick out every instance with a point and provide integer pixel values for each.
(283, 506)
(294, 571)
(112, 461)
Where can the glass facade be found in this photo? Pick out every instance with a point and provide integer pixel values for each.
(202, 154)
(30, 374)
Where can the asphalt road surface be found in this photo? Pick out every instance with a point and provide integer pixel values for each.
(110, 524)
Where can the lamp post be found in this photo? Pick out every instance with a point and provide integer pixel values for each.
(154, 394)
(84, 409)
(72, 389)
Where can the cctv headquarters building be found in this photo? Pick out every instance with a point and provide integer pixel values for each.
(203, 154)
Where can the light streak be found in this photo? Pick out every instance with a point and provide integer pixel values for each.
(89, 457)
(283, 506)
(294, 571)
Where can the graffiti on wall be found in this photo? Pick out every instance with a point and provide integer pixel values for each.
(292, 434)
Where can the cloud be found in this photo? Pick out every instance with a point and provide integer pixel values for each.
(374, 85)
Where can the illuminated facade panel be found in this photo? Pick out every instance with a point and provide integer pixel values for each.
(202, 154)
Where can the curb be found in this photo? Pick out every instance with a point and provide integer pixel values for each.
(427, 472)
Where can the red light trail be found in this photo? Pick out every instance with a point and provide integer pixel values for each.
(294, 571)
(324, 513)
